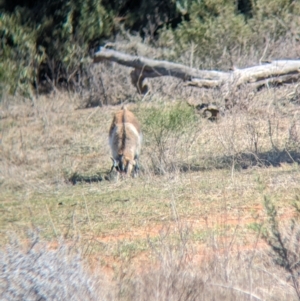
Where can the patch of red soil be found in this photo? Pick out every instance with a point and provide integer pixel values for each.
(227, 242)
(209, 222)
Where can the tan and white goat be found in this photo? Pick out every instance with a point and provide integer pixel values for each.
(125, 139)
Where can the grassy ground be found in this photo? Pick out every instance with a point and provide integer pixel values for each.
(210, 178)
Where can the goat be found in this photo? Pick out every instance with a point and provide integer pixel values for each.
(125, 139)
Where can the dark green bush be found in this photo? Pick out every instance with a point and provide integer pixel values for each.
(20, 57)
(50, 42)
(47, 44)
(218, 33)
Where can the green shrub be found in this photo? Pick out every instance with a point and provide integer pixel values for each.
(275, 19)
(218, 33)
(20, 56)
(50, 43)
(167, 131)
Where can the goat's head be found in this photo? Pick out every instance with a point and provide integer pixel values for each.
(124, 166)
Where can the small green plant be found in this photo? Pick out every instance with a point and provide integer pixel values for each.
(167, 131)
(284, 242)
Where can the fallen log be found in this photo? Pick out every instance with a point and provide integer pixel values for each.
(274, 72)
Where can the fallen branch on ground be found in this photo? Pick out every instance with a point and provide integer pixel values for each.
(275, 72)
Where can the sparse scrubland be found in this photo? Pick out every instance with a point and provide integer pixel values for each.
(214, 212)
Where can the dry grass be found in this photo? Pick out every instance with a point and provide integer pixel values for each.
(222, 171)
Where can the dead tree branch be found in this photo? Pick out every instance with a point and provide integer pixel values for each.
(275, 72)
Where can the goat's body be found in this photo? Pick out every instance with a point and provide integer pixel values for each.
(125, 139)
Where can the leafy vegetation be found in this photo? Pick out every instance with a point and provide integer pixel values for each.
(164, 128)
(20, 58)
(47, 44)
(217, 33)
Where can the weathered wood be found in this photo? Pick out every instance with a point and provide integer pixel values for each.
(283, 79)
(275, 72)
